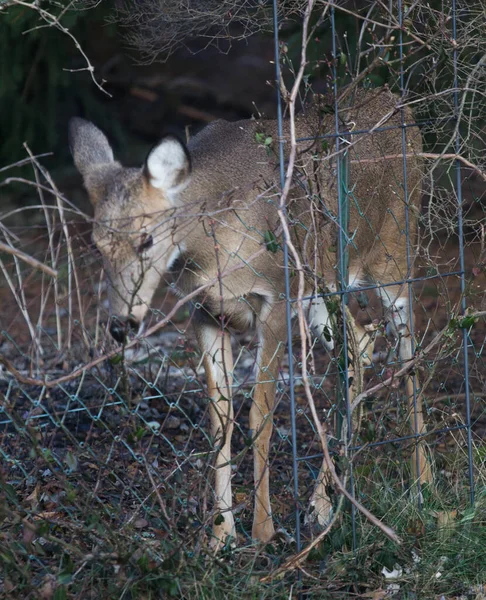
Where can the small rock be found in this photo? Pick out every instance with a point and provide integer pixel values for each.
(396, 573)
(155, 425)
(140, 523)
(172, 422)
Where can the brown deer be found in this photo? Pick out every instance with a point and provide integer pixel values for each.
(206, 215)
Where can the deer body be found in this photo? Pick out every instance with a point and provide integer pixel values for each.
(203, 214)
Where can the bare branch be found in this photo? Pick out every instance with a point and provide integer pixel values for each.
(28, 259)
(53, 21)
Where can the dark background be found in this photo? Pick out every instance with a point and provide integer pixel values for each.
(161, 70)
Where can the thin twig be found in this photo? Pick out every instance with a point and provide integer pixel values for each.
(30, 260)
(430, 155)
(53, 21)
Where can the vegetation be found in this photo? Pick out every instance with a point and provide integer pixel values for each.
(106, 476)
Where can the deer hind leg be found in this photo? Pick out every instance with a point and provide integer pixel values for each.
(359, 343)
(320, 323)
(400, 319)
(272, 334)
(218, 365)
(320, 502)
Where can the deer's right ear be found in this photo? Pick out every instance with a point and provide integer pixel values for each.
(168, 165)
(89, 146)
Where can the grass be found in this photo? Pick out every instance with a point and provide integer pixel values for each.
(73, 525)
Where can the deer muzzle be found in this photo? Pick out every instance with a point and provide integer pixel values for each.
(121, 327)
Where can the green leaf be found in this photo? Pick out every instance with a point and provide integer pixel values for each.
(60, 594)
(343, 59)
(64, 578)
(453, 324)
(10, 493)
(462, 323)
(327, 109)
(219, 520)
(271, 241)
(71, 495)
(332, 306)
(116, 360)
(369, 431)
(43, 528)
(260, 138)
(468, 515)
(467, 322)
(47, 454)
(143, 563)
(386, 558)
(140, 433)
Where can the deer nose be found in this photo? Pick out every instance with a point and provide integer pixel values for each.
(120, 327)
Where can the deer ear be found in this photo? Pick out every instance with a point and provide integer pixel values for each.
(89, 146)
(168, 165)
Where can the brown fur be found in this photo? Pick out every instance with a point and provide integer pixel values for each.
(221, 216)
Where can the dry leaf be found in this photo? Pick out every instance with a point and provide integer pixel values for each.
(33, 497)
(48, 588)
(29, 533)
(446, 520)
(48, 514)
(140, 523)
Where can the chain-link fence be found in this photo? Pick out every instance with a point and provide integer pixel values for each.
(350, 231)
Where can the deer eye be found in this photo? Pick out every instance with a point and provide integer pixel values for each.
(146, 242)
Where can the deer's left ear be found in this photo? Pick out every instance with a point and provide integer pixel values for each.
(168, 166)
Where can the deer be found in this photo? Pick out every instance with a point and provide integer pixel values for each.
(201, 215)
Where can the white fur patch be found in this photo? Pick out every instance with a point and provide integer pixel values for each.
(396, 305)
(174, 255)
(165, 164)
(218, 347)
(319, 321)
(355, 279)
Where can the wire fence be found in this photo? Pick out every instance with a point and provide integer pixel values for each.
(367, 264)
(466, 346)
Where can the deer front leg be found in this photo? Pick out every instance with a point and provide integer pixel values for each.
(272, 339)
(215, 345)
